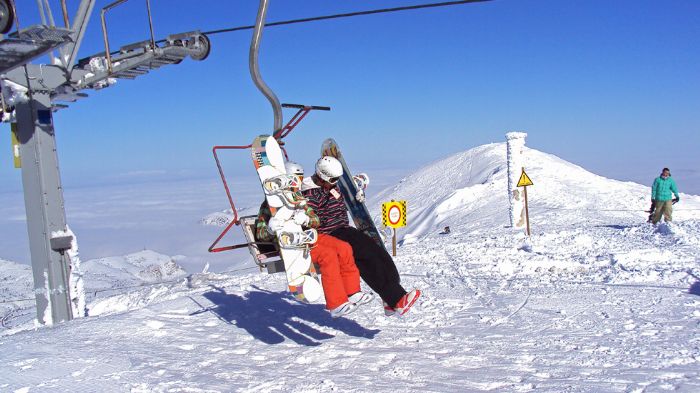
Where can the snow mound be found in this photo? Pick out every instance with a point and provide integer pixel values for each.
(224, 217)
(133, 269)
(16, 293)
(468, 190)
(15, 283)
(217, 219)
(112, 285)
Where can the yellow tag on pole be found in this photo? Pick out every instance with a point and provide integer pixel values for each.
(524, 180)
(15, 145)
(394, 214)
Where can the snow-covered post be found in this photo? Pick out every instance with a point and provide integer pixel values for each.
(516, 163)
(77, 287)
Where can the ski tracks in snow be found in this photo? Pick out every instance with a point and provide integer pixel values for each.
(586, 310)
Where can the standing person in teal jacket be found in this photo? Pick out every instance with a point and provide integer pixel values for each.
(664, 186)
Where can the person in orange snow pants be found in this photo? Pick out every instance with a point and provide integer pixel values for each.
(340, 277)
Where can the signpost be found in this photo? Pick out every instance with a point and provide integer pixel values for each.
(524, 182)
(394, 216)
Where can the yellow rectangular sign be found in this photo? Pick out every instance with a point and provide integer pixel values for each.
(15, 146)
(394, 214)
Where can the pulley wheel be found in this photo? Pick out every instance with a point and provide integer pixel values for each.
(202, 46)
(7, 16)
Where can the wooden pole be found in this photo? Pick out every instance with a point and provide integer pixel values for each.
(527, 214)
(393, 244)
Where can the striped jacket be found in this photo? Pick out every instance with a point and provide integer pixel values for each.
(264, 215)
(328, 204)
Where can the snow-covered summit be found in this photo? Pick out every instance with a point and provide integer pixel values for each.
(470, 188)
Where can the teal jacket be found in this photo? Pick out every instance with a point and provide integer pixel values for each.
(662, 189)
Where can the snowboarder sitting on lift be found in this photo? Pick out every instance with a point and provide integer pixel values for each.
(661, 192)
(341, 279)
(376, 266)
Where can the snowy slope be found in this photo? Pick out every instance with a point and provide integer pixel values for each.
(133, 269)
(593, 302)
(16, 286)
(102, 277)
(463, 189)
(15, 279)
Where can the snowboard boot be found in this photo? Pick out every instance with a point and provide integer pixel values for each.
(344, 309)
(388, 310)
(297, 239)
(404, 304)
(279, 183)
(361, 298)
(286, 187)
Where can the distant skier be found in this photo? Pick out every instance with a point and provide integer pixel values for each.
(662, 190)
(340, 277)
(377, 268)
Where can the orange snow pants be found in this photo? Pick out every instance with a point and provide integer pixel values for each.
(339, 275)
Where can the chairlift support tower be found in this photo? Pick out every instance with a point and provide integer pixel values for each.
(46, 86)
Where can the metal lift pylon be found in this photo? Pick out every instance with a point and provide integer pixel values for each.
(40, 87)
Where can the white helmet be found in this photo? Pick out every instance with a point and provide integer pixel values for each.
(292, 168)
(328, 168)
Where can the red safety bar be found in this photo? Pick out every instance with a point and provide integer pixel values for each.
(279, 135)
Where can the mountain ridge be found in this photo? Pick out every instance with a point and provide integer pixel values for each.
(455, 189)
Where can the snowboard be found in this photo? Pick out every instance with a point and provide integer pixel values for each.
(348, 187)
(301, 275)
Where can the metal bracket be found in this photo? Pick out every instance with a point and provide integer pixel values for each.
(24, 46)
(61, 243)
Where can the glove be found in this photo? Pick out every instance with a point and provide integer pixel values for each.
(675, 200)
(301, 218)
(360, 196)
(275, 225)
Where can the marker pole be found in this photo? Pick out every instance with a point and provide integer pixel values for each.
(527, 214)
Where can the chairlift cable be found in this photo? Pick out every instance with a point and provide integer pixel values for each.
(345, 15)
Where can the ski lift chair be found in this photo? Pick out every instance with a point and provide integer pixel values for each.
(265, 254)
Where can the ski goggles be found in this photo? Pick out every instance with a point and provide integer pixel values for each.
(333, 180)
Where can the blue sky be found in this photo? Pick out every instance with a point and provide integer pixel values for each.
(610, 85)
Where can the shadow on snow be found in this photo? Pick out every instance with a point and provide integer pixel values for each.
(272, 316)
(695, 288)
(614, 226)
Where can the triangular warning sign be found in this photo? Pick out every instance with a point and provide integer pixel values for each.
(524, 180)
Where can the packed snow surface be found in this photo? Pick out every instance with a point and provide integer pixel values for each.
(597, 300)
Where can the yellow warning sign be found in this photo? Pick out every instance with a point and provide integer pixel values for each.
(524, 180)
(15, 145)
(394, 214)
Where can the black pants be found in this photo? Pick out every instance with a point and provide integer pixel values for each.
(376, 266)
